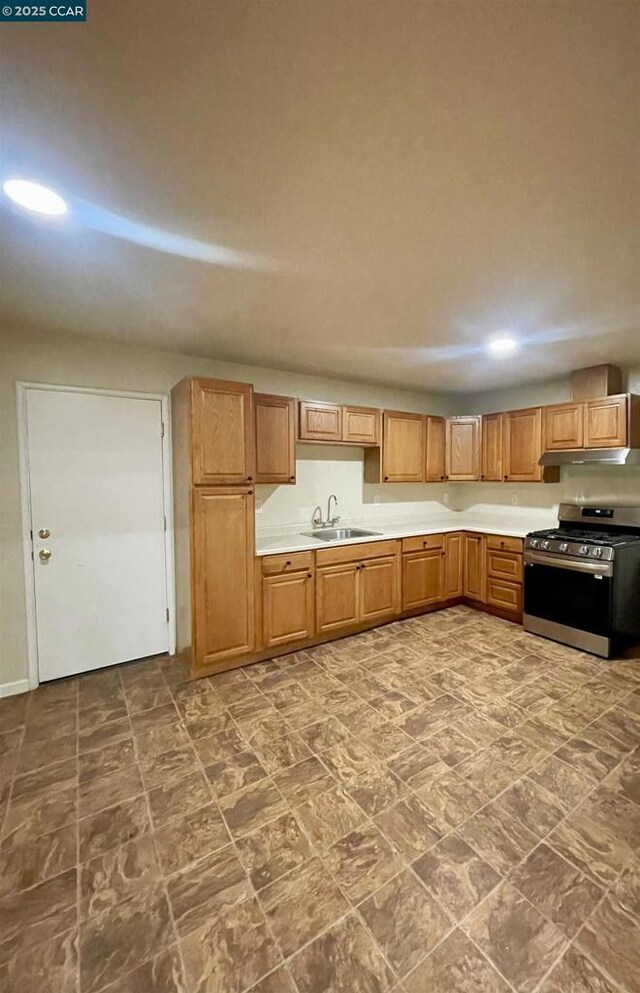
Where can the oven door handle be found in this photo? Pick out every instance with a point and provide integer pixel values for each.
(573, 565)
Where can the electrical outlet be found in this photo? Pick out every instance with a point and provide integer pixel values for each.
(514, 500)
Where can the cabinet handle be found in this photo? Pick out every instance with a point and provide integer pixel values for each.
(362, 565)
(249, 479)
(386, 478)
(250, 492)
(443, 477)
(288, 562)
(292, 478)
(309, 575)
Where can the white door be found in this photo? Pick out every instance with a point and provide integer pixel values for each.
(96, 485)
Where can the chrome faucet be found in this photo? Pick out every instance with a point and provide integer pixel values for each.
(331, 521)
(316, 518)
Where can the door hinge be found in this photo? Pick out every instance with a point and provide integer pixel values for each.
(162, 429)
(166, 614)
(164, 517)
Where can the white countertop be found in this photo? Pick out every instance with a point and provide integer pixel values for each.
(291, 537)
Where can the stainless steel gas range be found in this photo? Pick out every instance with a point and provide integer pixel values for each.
(582, 579)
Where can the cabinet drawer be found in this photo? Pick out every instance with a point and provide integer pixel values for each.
(503, 544)
(504, 565)
(274, 565)
(355, 553)
(418, 542)
(507, 596)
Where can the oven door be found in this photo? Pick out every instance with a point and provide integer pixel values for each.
(569, 592)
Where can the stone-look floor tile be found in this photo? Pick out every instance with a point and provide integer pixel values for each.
(279, 981)
(178, 796)
(207, 890)
(43, 753)
(531, 805)
(118, 874)
(452, 746)
(49, 779)
(488, 771)
(521, 944)
(456, 875)
(584, 757)
(103, 713)
(616, 732)
(197, 701)
(631, 703)
(114, 943)
(303, 781)
(562, 894)
(324, 734)
(349, 759)
(105, 734)
(432, 717)
(479, 730)
(31, 861)
(343, 958)
(161, 739)
(359, 718)
(302, 904)
(497, 837)
(112, 827)
(184, 839)
(13, 711)
(410, 827)
(574, 973)
(29, 817)
(362, 862)
(451, 799)
(141, 696)
(50, 727)
(375, 790)
(281, 753)
(162, 974)
(416, 766)
(106, 761)
(625, 779)
(223, 745)
(10, 741)
(273, 850)
(385, 741)
(248, 809)
(566, 784)
(405, 921)
(174, 764)
(456, 966)
(626, 889)
(96, 794)
(52, 965)
(33, 916)
(230, 952)
(159, 717)
(600, 836)
(611, 939)
(329, 816)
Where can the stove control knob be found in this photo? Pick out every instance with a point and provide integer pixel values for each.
(545, 545)
(597, 552)
(564, 546)
(583, 550)
(533, 543)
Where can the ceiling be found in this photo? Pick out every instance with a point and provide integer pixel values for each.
(367, 189)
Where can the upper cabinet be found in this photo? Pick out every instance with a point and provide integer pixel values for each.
(434, 461)
(402, 447)
(492, 447)
(606, 422)
(222, 438)
(320, 421)
(564, 426)
(275, 427)
(361, 425)
(463, 448)
(522, 445)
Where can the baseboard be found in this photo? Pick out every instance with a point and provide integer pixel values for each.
(11, 689)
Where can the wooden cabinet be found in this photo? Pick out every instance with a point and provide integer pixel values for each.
(504, 565)
(287, 608)
(507, 597)
(474, 567)
(606, 422)
(337, 603)
(356, 584)
(453, 584)
(402, 447)
(522, 445)
(275, 433)
(422, 577)
(434, 460)
(361, 425)
(564, 426)
(492, 447)
(222, 440)
(463, 448)
(378, 589)
(223, 580)
(320, 421)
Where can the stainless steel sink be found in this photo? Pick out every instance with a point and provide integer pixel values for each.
(339, 534)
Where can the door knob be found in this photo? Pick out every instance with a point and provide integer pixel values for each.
(44, 554)
(44, 533)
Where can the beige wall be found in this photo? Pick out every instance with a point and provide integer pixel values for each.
(76, 360)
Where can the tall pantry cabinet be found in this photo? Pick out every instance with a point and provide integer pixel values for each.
(213, 468)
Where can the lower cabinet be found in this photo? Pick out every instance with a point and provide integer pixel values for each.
(288, 608)
(337, 596)
(474, 567)
(506, 596)
(453, 565)
(504, 574)
(379, 589)
(350, 593)
(422, 577)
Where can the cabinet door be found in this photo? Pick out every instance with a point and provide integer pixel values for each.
(507, 596)
(564, 426)
(402, 447)
(222, 439)
(320, 421)
(523, 445)
(422, 578)
(434, 462)
(378, 588)
(463, 448)
(504, 565)
(275, 438)
(492, 447)
(223, 580)
(474, 573)
(606, 423)
(361, 425)
(337, 596)
(287, 608)
(453, 565)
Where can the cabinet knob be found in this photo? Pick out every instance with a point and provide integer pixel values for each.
(250, 492)
(309, 575)
(288, 562)
(249, 479)
(386, 478)
(443, 477)
(292, 478)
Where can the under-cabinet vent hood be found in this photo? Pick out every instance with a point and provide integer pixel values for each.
(593, 456)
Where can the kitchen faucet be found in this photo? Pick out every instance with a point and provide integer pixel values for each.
(316, 519)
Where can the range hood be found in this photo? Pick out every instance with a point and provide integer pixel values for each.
(593, 456)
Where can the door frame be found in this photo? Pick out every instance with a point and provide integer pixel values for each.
(22, 391)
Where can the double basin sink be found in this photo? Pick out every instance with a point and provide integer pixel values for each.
(339, 534)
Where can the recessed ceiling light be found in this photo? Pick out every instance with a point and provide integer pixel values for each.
(502, 345)
(35, 197)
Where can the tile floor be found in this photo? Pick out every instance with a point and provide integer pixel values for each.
(444, 805)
